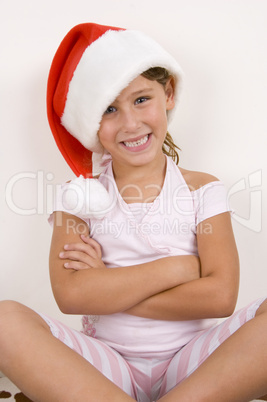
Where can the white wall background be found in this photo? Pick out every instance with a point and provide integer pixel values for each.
(221, 124)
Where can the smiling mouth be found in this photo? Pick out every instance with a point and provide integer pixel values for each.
(131, 144)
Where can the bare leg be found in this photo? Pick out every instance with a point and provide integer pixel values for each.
(44, 368)
(235, 372)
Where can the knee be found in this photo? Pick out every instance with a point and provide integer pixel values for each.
(10, 312)
(18, 324)
(14, 318)
(9, 305)
(9, 317)
(8, 308)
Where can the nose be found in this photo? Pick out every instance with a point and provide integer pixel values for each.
(130, 121)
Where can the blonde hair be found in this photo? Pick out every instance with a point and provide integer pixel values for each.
(161, 75)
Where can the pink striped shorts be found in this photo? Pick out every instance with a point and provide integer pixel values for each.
(147, 379)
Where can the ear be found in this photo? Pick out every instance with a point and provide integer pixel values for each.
(169, 91)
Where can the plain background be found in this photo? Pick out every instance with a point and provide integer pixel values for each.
(220, 125)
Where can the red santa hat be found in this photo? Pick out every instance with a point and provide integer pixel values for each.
(92, 65)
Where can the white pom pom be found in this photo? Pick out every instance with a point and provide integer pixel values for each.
(85, 198)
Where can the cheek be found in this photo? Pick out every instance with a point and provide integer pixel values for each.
(100, 135)
(160, 118)
(104, 133)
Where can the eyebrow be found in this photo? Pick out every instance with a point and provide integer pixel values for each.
(141, 91)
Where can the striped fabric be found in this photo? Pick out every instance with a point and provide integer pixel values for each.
(147, 379)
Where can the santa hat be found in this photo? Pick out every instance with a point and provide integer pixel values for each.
(92, 65)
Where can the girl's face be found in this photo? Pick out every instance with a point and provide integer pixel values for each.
(134, 126)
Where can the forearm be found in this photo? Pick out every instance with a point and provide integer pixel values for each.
(215, 293)
(107, 291)
(88, 287)
(202, 298)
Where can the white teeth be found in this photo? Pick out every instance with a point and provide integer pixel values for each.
(136, 143)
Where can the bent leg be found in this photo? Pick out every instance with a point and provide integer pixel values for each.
(235, 365)
(45, 368)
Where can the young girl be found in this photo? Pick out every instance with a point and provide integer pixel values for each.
(145, 251)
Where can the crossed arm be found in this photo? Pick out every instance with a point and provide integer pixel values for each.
(171, 288)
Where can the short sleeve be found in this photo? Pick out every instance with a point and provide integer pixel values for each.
(210, 200)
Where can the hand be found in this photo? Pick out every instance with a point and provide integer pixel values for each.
(83, 255)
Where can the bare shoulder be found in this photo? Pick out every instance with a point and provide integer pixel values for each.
(196, 180)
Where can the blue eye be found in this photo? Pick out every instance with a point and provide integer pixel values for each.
(141, 100)
(110, 109)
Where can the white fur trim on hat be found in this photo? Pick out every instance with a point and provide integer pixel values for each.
(106, 67)
(85, 198)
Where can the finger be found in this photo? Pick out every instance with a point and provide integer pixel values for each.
(93, 243)
(76, 256)
(81, 247)
(76, 265)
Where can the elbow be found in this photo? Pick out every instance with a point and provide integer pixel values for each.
(224, 293)
(226, 303)
(66, 300)
(69, 301)
(66, 307)
(227, 310)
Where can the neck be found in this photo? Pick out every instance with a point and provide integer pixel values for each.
(140, 183)
(128, 172)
